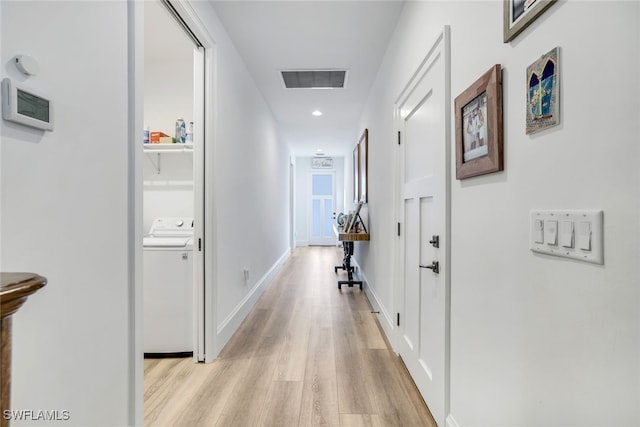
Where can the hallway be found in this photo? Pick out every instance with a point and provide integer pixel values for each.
(307, 354)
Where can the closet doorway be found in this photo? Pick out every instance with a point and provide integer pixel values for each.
(175, 306)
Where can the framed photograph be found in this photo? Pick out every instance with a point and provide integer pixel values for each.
(364, 165)
(356, 173)
(479, 134)
(519, 14)
(322, 163)
(543, 88)
(353, 219)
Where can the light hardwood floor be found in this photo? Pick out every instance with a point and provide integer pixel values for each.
(308, 354)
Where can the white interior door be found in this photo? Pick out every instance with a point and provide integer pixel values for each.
(423, 295)
(199, 204)
(322, 209)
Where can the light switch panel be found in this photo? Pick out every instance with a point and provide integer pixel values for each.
(568, 233)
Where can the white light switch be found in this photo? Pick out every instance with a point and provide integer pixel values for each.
(551, 232)
(538, 231)
(576, 234)
(566, 234)
(584, 235)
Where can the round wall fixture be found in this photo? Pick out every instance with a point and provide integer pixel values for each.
(27, 65)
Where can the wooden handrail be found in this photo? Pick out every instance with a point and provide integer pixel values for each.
(15, 288)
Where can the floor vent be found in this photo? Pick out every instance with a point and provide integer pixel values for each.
(314, 79)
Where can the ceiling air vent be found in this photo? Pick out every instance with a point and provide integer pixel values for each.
(314, 79)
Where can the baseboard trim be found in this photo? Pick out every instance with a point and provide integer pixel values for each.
(301, 243)
(175, 355)
(386, 321)
(451, 422)
(231, 324)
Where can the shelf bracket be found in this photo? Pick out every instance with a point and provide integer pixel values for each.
(156, 165)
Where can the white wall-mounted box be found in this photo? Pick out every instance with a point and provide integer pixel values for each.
(568, 233)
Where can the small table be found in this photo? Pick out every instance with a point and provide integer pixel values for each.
(347, 240)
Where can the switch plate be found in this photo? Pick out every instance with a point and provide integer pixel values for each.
(578, 234)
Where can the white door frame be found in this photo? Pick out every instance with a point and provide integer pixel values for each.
(206, 232)
(441, 46)
(292, 203)
(135, 103)
(199, 152)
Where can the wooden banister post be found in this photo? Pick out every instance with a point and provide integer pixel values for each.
(15, 288)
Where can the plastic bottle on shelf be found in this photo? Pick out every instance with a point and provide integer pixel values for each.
(145, 135)
(189, 135)
(180, 131)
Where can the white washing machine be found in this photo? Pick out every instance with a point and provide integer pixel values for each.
(168, 288)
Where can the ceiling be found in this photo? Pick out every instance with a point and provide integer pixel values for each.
(272, 36)
(291, 35)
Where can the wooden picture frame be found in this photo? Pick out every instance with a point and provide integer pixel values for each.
(356, 173)
(479, 133)
(519, 14)
(364, 165)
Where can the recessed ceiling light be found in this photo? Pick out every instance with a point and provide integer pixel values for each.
(317, 113)
(319, 152)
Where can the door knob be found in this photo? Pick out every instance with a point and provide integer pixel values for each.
(435, 266)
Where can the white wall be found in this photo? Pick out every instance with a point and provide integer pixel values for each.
(536, 341)
(168, 92)
(65, 211)
(250, 183)
(169, 193)
(303, 193)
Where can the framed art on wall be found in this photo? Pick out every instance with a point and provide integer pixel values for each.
(356, 173)
(364, 165)
(543, 89)
(479, 133)
(322, 163)
(519, 14)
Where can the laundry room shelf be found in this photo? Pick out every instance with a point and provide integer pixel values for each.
(168, 148)
(159, 149)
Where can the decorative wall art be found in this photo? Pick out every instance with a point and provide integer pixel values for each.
(519, 14)
(356, 173)
(322, 163)
(543, 88)
(479, 126)
(364, 165)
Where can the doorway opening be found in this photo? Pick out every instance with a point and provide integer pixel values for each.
(322, 209)
(173, 270)
(317, 197)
